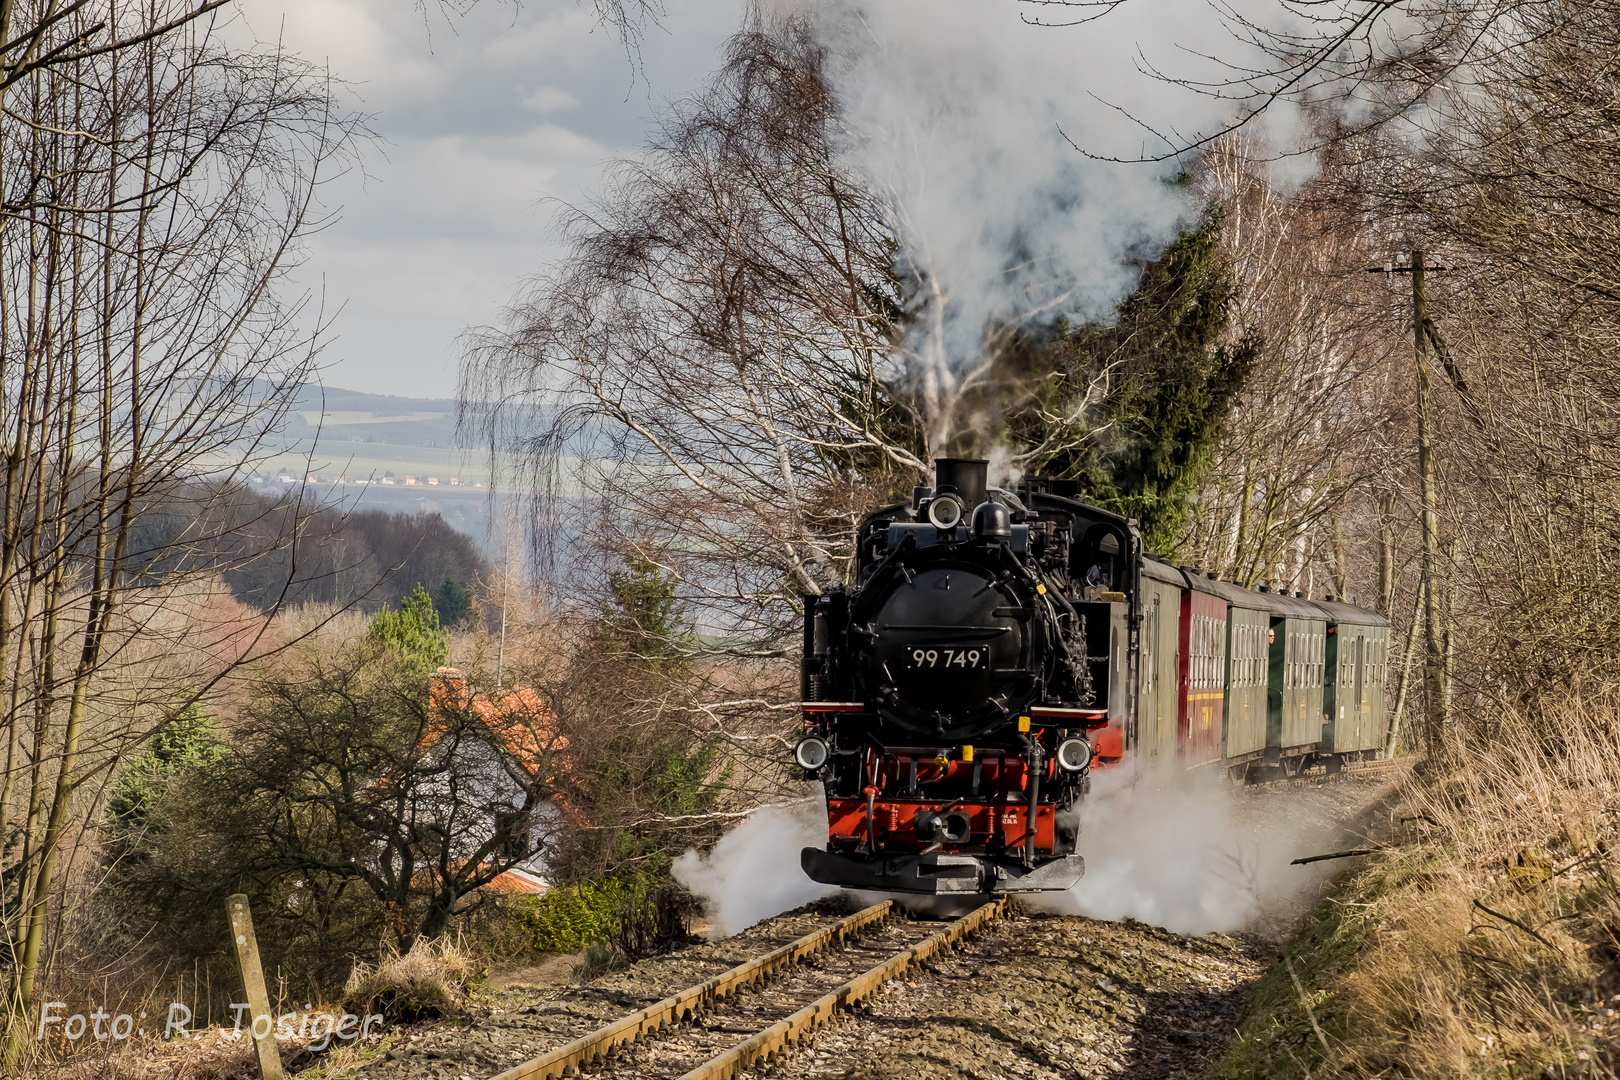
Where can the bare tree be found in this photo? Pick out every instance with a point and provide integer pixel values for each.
(1312, 424)
(702, 382)
(154, 188)
(1365, 63)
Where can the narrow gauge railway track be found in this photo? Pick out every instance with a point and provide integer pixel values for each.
(745, 1016)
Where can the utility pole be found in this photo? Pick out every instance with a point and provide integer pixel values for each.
(1436, 678)
(1434, 674)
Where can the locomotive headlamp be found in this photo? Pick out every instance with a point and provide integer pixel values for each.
(1073, 754)
(945, 512)
(811, 753)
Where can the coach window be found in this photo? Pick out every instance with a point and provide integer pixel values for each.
(1249, 639)
(1195, 662)
(1150, 652)
(1209, 652)
(1257, 655)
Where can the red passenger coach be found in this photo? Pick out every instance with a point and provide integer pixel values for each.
(1201, 687)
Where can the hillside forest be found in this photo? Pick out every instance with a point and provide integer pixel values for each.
(1392, 380)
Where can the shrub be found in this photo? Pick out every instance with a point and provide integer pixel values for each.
(435, 978)
(566, 919)
(656, 922)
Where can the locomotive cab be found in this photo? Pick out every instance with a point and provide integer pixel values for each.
(957, 697)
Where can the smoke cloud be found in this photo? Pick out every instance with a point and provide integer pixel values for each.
(970, 123)
(753, 872)
(1195, 854)
(1189, 852)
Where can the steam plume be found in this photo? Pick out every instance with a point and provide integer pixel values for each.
(1193, 854)
(966, 120)
(753, 872)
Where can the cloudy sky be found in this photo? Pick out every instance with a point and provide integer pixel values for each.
(483, 118)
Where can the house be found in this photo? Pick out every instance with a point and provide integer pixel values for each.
(494, 777)
(518, 880)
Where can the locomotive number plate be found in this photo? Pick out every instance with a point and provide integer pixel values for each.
(947, 658)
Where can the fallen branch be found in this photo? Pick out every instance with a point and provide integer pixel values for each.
(1520, 925)
(1335, 855)
(1422, 817)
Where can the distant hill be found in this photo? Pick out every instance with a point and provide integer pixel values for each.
(346, 416)
(353, 438)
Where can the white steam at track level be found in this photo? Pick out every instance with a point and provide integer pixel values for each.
(1192, 853)
(965, 119)
(753, 872)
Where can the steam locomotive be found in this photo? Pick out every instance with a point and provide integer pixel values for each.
(998, 646)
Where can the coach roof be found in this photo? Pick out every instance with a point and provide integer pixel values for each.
(1276, 603)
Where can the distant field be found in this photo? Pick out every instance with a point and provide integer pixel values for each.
(363, 436)
(333, 419)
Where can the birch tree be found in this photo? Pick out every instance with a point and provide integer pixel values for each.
(1311, 429)
(703, 382)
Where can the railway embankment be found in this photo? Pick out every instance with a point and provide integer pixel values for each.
(1026, 994)
(1482, 939)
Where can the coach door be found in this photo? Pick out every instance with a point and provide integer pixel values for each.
(1156, 675)
(1203, 668)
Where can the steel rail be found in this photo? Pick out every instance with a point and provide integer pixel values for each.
(779, 1036)
(688, 1002)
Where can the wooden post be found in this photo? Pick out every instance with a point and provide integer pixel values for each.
(1434, 704)
(247, 959)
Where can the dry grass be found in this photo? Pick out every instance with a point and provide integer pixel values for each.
(436, 978)
(1483, 942)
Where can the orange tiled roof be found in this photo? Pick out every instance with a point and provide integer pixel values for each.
(524, 723)
(518, 880)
